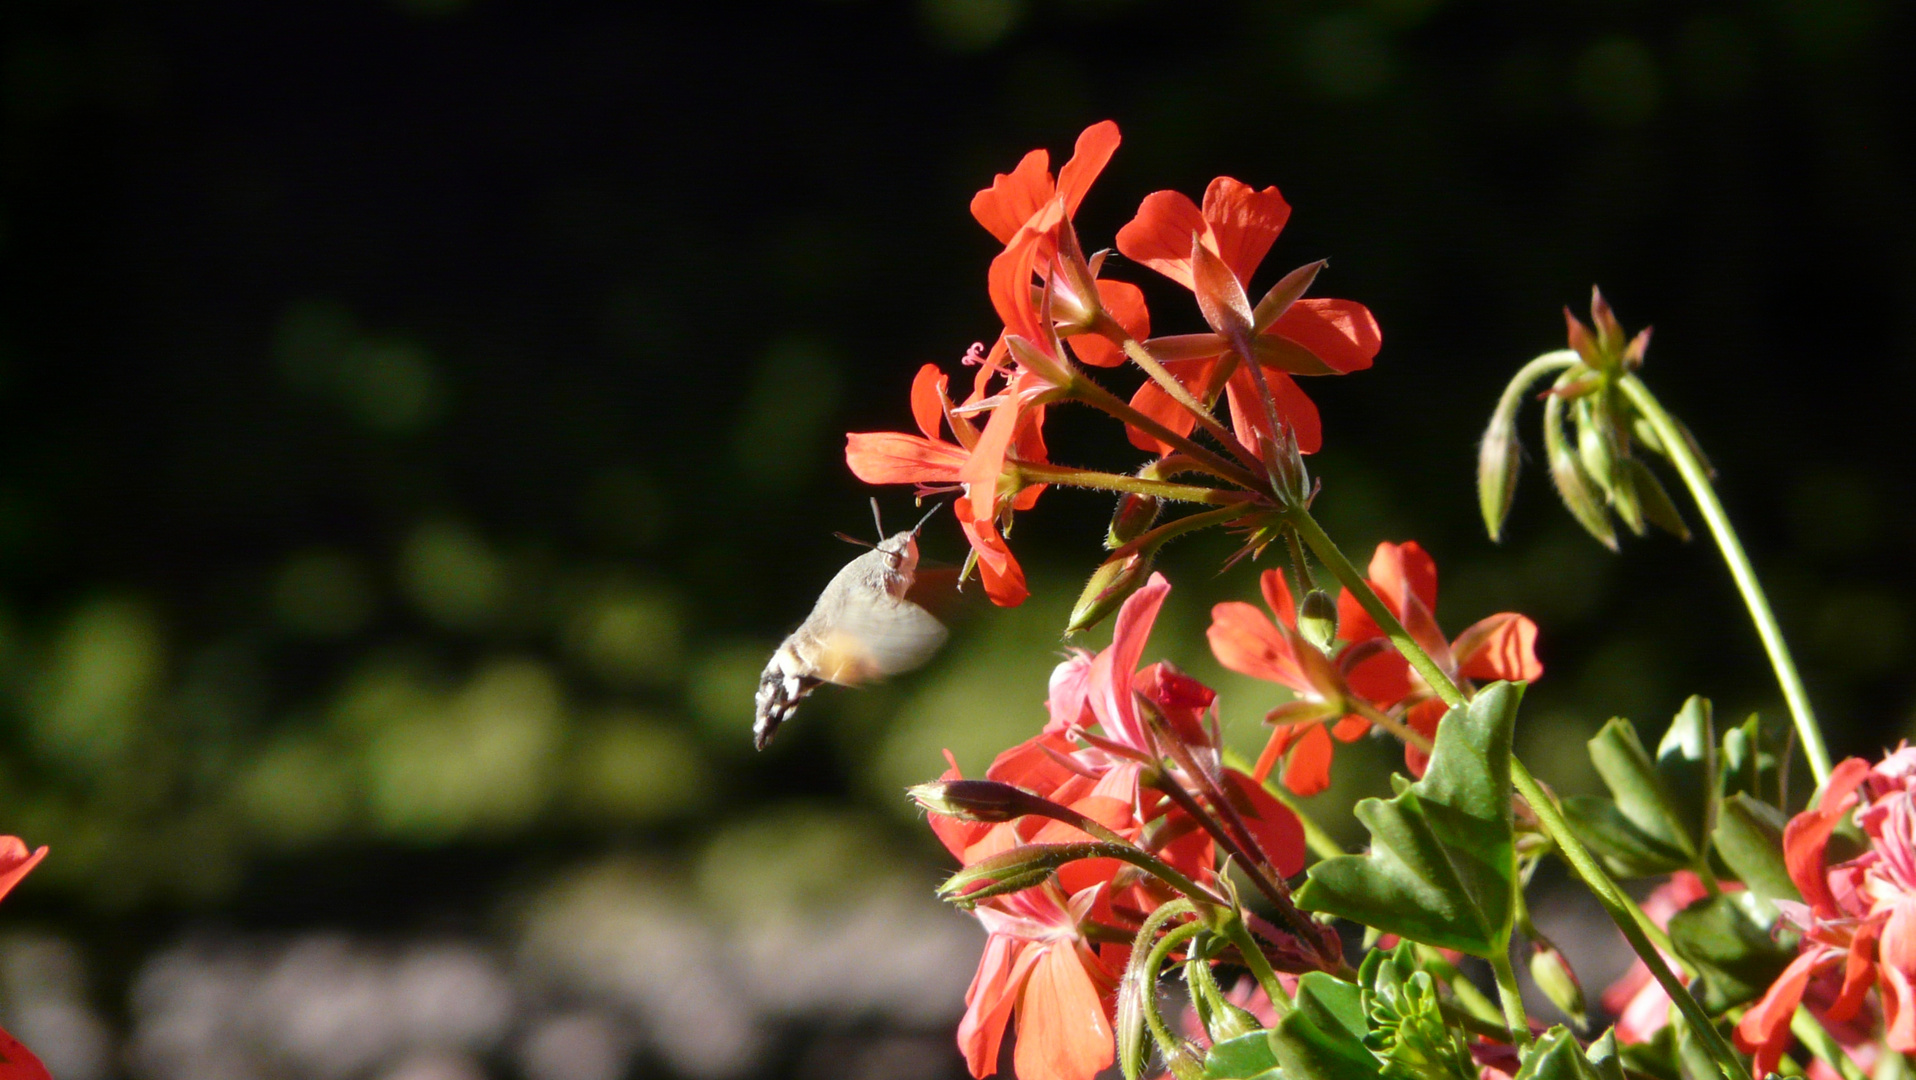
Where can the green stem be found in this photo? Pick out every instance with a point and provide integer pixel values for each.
(1096, 396)
(1678, 448)
(1203, 519)
(1353, 581)
(1259, 964)
(1626, 916)
(1168, 1044)
(1035, 473)
(1507, 992)
(1823, 1045)
(1404, 732)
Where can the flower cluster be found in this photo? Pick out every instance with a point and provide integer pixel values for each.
(1129, 755)
(1059, 311)
(1121, 839)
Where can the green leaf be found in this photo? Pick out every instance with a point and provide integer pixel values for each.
(1686, 761)
(1657, 1057)
(1754, 758)
(1604, 1057)
(1661, 811)
(1442, 863)
(1727, 939)
(1241, 1058)
(1556, 1056)
(1625, 850)
(1323, 1037)
(1749, 837)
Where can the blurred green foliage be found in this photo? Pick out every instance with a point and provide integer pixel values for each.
(422, 418)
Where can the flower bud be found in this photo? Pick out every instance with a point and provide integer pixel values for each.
(1498, 461)
(1117, 578)
(1658, 510)
(1552, 974)
(1317, 619)
(1135, 514)
(972, 800)
(1573, 484)
(1227, 1022)
(1594, 448)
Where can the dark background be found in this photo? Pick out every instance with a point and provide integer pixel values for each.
(419, 420)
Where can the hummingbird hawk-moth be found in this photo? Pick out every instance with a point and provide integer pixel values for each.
(864, 627)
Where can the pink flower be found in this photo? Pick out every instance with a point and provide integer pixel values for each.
(1039, 967)
(1858, 918)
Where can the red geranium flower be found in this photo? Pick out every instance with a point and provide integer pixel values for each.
(16, 1061)
(971, 460)
(1213, 251)
(1503, 646)
(1087, 310)
(1246, 641)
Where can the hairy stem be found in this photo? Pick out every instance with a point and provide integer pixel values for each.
(1037, 473)
(1175, 389)
(1696, 476)
(1084, 389)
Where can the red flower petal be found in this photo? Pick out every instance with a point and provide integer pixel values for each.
(1244, 222)
(1396, 571)
(1152, 401)
(1277, 597)
(1807, 836)
(928, 400)
(17, 1062)
(1110, 682)
(1382, 678)
(1308, 770)
(1063, 1033)
(15, 861)
(890, 457)
(1004, 579)
(1160, 235)
(1013, 197)
(1423, 718)
(990, 1000)
(1503, 646)
(1293, 408)
(1244, 640)
(1331, 337)
(1093, 151)
(1765, 1030)
(1272, 824)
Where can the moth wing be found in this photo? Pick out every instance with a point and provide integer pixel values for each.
(939, 590)
(874, 638)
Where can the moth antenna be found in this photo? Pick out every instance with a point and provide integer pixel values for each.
(878, 521)
(850, 539)
(921, 521)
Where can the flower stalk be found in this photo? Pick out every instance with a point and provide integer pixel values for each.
(1678, 447)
